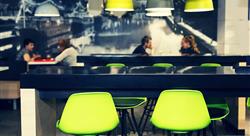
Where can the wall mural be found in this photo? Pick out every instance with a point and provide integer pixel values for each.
(95, 31)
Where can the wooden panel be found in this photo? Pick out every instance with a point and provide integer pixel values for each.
(9, 89)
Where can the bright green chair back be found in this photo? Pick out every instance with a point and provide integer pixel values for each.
(116, 65)
(248, 102)
(163, 65)
(88, 113)
(181, 111)
(210, 65)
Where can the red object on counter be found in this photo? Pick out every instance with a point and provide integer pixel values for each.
(45, 60)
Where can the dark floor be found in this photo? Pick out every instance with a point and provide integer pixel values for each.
(10, 122)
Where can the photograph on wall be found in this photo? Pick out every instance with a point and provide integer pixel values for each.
(92, 30)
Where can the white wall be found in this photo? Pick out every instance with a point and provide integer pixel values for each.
(233, 28)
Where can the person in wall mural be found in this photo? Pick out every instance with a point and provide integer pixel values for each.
(68, 53)
(189, 46)
(145, 48)
(26, 53)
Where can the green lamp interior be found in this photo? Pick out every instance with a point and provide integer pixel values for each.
(199, 5)
(119, 5)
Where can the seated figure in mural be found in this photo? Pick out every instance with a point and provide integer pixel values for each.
(68, 53)
(189, 46)
(144, 49)
(26, 53)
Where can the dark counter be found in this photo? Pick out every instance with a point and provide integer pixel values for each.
(61, 81)
(132, 60)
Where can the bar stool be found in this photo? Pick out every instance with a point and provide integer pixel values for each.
(148, 109)
(88, 114)
(181, 111)
(123, 104)
(217, 107)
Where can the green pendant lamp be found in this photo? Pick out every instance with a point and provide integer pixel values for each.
(199, 5)
(159, 5)
(159, 13)
(119, 5)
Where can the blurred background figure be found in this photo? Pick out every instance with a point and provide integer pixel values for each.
(145, 48)
(68, 53)
(189, 46)
(26, 53)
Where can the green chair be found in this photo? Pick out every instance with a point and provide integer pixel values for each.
(148, 108)
(123, 104)
(116, 65)
(164, 65)
(181, 111)
(217, 107)
(210, 65)
(88, 114)
(248, 102)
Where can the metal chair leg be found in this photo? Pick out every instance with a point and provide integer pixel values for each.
(135, 123)
(198, 133)
(204, 132)
(132, 125)
(147, 117)
(15, 104)
(144, 111)
(123, 123)
(212, 128)
(190, 133)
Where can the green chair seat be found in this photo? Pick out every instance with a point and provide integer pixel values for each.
(88, 114)
(116, 65)
(218, 113)
(128, 102)
(181, 111)
(210, 65)
(164, 65)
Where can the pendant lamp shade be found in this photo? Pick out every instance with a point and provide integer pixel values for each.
(160, 5)
(119, 5)
(47, 10)
(199, 5)
(159, 13)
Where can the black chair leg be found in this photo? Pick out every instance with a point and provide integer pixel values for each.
(198, 133)
(190, 133)
(109, 133)
(148, 112)
(132, 125)
(153, 129)
(169, 133)
(212, 128)
(135, 123)
(144, 111)
(123, 123)
(204, 132)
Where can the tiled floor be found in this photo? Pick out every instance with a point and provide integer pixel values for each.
(10, 123)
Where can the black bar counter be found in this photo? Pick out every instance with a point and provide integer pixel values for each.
(101, 60)
(221, 81)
